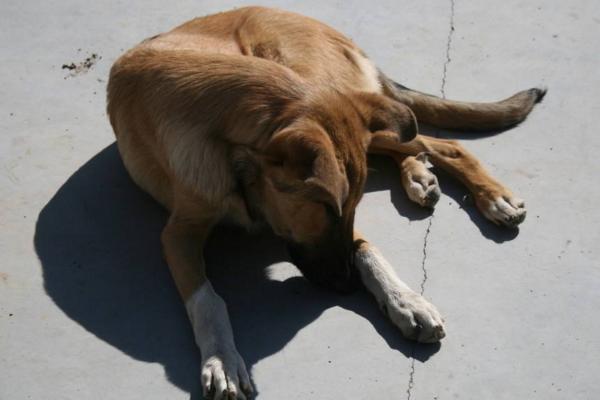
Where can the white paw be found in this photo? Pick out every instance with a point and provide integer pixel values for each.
(420, 184)
(224, 376)
(417, 318)
(505, 210)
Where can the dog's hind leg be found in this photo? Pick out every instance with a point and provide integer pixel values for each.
(493, 199)
(420, 184)
(416, 318)
(224, 373)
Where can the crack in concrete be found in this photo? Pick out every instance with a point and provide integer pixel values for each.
(411, 379)
(424, 260)
(448, 46)
(411, 376)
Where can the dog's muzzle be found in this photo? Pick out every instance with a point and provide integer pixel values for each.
(332, 268)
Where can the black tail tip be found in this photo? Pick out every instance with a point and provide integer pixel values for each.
(539, 93)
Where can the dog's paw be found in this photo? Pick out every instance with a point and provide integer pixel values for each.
(420, 183)
(417, 318)
(224, 377)
(503, 209)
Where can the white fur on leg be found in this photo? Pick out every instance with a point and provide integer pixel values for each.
(223, 370)
(416, 317)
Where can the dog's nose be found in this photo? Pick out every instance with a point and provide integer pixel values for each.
(328, 269)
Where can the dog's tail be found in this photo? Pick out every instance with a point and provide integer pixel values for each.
(461, 115)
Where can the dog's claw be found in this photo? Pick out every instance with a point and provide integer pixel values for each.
(506, 210)
(416, 318)
(224, 376)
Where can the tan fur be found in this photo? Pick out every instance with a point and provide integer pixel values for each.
(264, 112)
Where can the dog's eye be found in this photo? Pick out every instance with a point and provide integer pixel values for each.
(331, 212)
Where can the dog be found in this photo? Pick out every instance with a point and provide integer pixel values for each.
(263, 116)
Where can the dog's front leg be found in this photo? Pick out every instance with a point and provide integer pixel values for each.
(224, 373)
(416, 317)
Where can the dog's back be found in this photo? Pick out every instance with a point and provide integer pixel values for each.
(313, 50)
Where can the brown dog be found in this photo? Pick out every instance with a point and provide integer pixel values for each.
(261, 115)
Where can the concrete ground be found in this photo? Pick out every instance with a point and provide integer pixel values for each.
(87, 307)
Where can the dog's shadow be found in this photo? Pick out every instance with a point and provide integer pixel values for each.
(98, 240)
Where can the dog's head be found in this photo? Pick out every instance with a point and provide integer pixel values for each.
(314, 171)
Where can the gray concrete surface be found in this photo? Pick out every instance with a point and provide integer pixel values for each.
(87, 309)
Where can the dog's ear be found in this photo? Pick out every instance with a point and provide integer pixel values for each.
(303, 161)
(386, 116)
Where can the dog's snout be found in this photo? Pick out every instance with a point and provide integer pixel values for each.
(327, 268)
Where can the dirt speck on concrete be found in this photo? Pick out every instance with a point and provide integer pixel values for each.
(81, 67)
